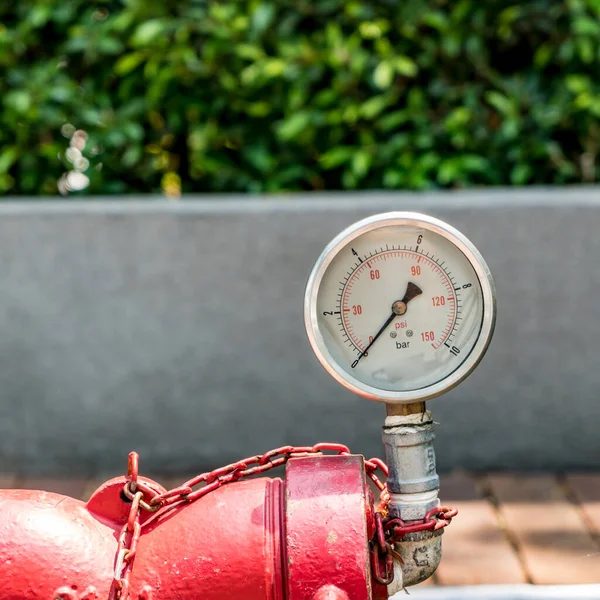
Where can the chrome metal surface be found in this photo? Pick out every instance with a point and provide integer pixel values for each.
(409, 453)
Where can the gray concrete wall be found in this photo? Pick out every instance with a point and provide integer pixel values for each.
(176, 329)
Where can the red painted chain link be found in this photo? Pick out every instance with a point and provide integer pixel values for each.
(144, 497)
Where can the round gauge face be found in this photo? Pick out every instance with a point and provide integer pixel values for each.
(400, 307)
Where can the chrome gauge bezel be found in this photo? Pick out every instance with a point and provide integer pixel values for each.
(341, 241)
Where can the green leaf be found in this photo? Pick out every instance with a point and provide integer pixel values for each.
(458, 118)
(585, 49)
(510, 14)
(392, 120)
(61, 93)
(416, 100)
(273, 67)
(520, 174)
(249, 51)
(452, 45)
(586, 26)
(373, 106)
(110, 45)
(500, 102)
(19, 100)
(583, 100)
(461, 9)
(436, 19)
(405, 66)
(543, 55)
(371, 30)
(262, 17)
(293, 126)
(259, 109)
(595, 107)
(392, 178)
(260, 158)
(39, 15)
(131, 156)
(133, 131)
(115, 138)
(147, 32)
(8, 158)
(577, 83)
(361, 161)
(128, 63)
(474, 163)
(6, 182)
(349, 180)
(336, 157)
(384, 75)
(448, 171)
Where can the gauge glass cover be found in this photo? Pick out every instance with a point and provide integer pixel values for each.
(400, 307)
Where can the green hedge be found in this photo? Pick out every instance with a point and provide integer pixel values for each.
(238, 95)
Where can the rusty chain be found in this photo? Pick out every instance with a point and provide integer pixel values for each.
(392, 530)
(145, 498)
(130, 533)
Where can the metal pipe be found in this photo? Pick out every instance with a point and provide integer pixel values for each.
(413, 485)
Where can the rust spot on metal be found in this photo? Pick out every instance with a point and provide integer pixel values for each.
(420, 562)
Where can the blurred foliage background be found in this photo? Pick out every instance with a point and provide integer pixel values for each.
(123, 96)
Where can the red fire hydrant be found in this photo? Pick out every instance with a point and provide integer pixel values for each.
(307, 537)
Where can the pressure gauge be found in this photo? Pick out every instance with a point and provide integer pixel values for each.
(400, 307)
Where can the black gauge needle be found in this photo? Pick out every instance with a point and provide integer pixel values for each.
(412, 291)
(398, 308)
